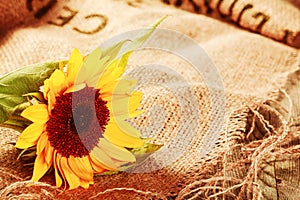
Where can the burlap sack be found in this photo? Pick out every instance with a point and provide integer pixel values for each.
(257, 154)
(279, 20)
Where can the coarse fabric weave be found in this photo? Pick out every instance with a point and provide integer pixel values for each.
(254, 155)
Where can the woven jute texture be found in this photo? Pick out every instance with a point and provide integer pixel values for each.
(279, 19)
(256, 153)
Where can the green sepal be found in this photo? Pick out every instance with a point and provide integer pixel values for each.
(108, 173)
(141, 154)
(27, 155)
(37, 96)
(17, 123)
(146, 148)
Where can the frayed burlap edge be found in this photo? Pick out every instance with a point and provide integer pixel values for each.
(261, 153)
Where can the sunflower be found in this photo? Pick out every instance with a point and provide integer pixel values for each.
(81, 129)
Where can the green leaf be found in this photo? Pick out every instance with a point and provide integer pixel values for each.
(98, 60)
(19, 83)
(113, 51)
(143, 36)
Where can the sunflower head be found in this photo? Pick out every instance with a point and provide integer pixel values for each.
(79, 119)
(80, 128)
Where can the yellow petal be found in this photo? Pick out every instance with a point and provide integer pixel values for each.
(49, 150)
(40, 167)
(121, 138)
(58, 82)
(30, 136)
(43, 140)
(57, 168)
(116, 152)
(81, 167)
(125, 106)
(33, 132)
(104, 159)
(107, 90)
(96, 165)
(51, 100)
(36, 113)
(124, 86)
(75, 88)
(135, 101)
(58, 179)
(113, 72)
(125, 126)
(74, 64)
(24, 144)
(85, 184)
(117, 88)
(109, 75)
(71, 178)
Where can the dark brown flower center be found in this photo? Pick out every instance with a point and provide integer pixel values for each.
(77, 121)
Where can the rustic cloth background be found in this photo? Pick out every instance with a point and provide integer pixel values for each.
(257, 155)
